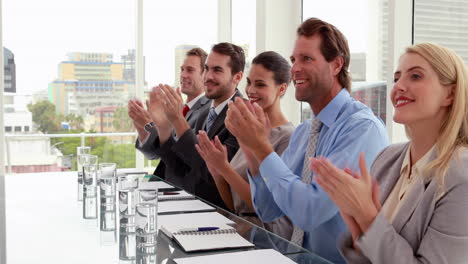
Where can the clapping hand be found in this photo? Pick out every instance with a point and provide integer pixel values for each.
(155, 108)
(213, 152)
(354, 194)
(173, 103)
(139, 115)
(251, 127)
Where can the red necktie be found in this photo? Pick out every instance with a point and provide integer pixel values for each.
(185, 110)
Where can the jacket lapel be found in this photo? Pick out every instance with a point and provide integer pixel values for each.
(412, 200)
(409, 205)
(394, 168)
(201, 102)
(219, 121)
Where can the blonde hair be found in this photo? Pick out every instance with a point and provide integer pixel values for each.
(451, 70)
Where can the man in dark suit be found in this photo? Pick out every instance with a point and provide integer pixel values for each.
(191, 83)
(223, 72)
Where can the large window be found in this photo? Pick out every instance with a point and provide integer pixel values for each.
(364, 23)
(171, 28)
(68, 64)
(442, 22)
(244, 32)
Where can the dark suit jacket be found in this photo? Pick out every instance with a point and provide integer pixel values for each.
(197, 179)
(151, 149)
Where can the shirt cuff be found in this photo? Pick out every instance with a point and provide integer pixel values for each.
(269, 164)
(142, 142)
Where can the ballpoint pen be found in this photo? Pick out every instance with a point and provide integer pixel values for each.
(198, 229)
(171, 193)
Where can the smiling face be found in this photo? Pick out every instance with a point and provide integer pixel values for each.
(191, 76)
(220, 83)
(418, 96)
(262, 88)
(313, 76)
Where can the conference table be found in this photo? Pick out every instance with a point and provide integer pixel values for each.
(44, 224)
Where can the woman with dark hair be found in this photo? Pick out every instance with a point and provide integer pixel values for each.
(266, 84)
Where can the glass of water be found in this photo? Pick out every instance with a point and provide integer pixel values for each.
(127, 195)
(81, 151)
(84, 159)
(89, 191)
(107, 170)
(146, 225)
(107, 187)
(146, 215)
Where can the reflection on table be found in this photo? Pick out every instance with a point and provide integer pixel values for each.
(45, 225)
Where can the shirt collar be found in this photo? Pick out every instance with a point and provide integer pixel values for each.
(221, 106)
(330, 112)
(419, 165)
(194, 100)
(406, 161)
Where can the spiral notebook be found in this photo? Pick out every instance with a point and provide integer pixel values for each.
(223, 238)
(175, 195)
(269, 256)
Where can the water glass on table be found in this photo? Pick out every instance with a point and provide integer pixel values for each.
(146, 225)
(127, 195)
(107, 170)
(128, 185)
(146, 215)
(85, 159)
(89, 191)
(107, 186)
(81, 151)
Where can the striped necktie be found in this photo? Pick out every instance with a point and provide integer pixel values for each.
(298, 234)
(211, 118)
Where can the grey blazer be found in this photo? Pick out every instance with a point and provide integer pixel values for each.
(430, 227)
(150, 150)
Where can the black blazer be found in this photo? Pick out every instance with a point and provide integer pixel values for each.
(197, 179)
(169, 168)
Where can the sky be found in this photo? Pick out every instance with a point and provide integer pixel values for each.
(41, 33)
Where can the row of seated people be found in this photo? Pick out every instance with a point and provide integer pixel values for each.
(311, 184)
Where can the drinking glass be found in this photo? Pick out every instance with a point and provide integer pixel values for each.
(89, 192)
(108, 213)
(107, 170)
(127, 195)
(146, 216)
(81, 151)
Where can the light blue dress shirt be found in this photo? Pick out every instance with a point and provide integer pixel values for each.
(349, 128)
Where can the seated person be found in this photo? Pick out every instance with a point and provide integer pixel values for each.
(424, 182)
(340, 129)
(266, 84)
(223, 71)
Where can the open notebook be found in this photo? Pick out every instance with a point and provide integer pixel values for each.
(175, 195)
(222, 238)
(184, 206)
(156, 185)
(269, 256)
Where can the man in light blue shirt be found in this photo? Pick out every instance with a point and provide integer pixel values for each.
(320, 73)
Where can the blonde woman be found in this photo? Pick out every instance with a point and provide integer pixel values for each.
(267, 82)
(423, 183)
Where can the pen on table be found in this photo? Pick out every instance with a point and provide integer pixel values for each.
(198, 229)
(170, 193)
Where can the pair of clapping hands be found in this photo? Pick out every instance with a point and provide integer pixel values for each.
(164, 106)
(248, 123)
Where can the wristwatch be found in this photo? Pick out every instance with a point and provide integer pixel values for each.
(149, 126)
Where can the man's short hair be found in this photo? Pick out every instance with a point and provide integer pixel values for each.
(333, 44)
(236, 53)
(200, 53)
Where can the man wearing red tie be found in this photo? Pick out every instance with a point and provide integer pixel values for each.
(191, 84)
